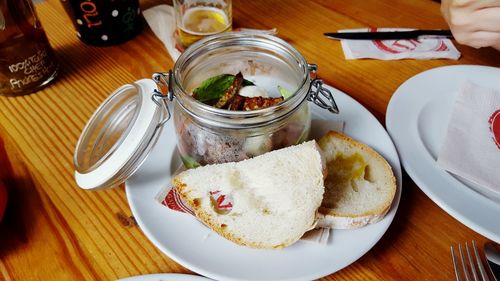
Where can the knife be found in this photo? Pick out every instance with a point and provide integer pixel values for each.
(390, 35)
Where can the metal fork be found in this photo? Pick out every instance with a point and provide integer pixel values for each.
(468, 264)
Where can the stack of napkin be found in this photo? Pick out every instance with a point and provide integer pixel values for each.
(471, 148)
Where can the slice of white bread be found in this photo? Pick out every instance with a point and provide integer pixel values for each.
(274, 196)
(360, 185)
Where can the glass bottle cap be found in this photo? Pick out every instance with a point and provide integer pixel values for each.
(118, 136)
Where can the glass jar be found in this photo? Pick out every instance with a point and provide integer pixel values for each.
(107, 153)
(208, 135)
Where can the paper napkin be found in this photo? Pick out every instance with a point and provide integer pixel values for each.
(421, 48)
(472, 144)
(161, 20)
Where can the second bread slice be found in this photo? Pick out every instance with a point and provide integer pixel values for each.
(360, 185)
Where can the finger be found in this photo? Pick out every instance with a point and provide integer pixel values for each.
(484, 4)
(487, 19)
(479, 39)
(481, 20)
(473, 4)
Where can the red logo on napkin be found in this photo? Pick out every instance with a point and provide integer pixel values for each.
(174, 202)
(409, 45)
(495, 127)
(222, 204)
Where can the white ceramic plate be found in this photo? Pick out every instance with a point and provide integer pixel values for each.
(165, 277)
(417, 119)
(196, 247)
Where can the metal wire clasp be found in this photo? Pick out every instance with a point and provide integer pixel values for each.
(318, 94)
(163, 80)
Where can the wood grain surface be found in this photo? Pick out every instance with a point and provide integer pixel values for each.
(55, 231)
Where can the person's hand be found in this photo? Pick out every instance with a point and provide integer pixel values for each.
(474, 22)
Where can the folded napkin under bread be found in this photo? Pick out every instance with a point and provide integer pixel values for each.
(471, 148)
(421, 48)
(170, 198)
(161, 20)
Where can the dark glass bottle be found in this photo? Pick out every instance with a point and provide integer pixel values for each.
(104, 22)
(27, 61)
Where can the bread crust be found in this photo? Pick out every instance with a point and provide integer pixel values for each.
(329, 217)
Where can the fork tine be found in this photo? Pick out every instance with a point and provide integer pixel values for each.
(462, 260)
(484, 275)
(457, 271)
(469, 266)
(471, 263)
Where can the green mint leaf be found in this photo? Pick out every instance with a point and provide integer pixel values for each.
(213, 88)
(284, 92)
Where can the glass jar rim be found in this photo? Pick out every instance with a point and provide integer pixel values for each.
(209, 113)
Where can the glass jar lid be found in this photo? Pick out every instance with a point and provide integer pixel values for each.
(118, 136)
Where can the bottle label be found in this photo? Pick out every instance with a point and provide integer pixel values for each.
(30, 70)
(28, 62)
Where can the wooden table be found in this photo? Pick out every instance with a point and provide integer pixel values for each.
(55, 231)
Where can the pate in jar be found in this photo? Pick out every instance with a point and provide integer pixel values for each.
(263, 106)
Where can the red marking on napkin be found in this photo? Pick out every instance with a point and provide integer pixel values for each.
(222, 202)
(405, 45)
(442, 47)
(494, 122)
(174, 202)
